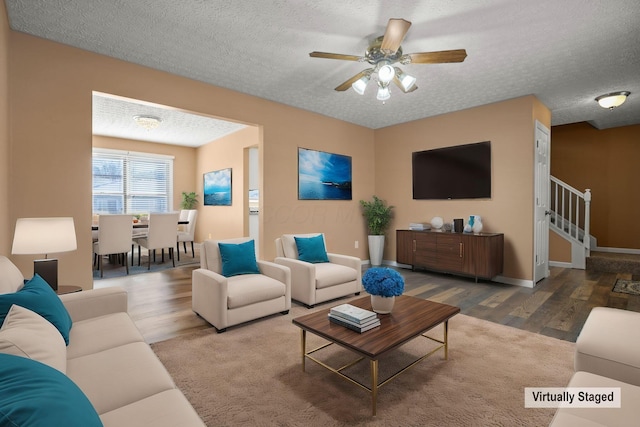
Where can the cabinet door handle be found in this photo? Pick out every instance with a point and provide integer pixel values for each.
(461, 250)
(414, 246)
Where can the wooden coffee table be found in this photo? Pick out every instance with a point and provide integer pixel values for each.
(411, 317)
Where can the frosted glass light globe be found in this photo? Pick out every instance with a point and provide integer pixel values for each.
(386, 73)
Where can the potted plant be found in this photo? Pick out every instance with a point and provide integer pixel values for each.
(378, 217)
(189, 200)
(383, 284)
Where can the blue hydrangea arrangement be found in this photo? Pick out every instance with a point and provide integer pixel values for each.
(383, 281)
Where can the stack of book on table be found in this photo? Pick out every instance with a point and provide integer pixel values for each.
(355, 318)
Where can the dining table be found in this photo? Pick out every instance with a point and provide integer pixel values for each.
(139, 224)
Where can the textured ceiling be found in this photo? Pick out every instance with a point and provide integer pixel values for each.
(564, 52)
(113, 116)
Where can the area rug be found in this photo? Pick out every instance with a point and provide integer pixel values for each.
(251, 375)
(625, 286)
(116, 270)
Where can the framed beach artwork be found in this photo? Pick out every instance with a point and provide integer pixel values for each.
(217, 188)
(323, 176)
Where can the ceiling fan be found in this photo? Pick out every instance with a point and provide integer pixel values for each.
(385, 51)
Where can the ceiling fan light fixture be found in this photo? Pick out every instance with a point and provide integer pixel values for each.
(386, 73)
(383, 93)
(406, 80)
(147, 122)
(360, 85)
(612, 100)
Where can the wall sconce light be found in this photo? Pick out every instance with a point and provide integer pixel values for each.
(612, 100)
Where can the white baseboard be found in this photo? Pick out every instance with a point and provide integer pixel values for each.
(396, 264)
(560, 264)
(512, 281)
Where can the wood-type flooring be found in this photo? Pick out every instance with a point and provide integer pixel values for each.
(160, 302)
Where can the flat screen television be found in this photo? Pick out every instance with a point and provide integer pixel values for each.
(459, 172)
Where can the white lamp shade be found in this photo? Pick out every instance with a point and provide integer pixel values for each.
(360, 85)
(44, 236)
(383, 93)
(407, 81)
(386, 73)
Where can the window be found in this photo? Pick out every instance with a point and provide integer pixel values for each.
(128, 182)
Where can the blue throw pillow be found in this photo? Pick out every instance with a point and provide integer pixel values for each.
(36, 395)
(311, 249)
(36, 295)
(238, 258)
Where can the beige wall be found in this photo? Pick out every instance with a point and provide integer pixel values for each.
(606, 161)
(51, 86)
(224, 222)
(341, 220)
(6, 229)
(509, 125)
(190, 164)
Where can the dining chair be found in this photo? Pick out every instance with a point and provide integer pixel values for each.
(114, 238)
(161, 234)
(188, 233)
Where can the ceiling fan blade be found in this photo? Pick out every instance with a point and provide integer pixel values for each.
(394, 34)
(346, 85)
(336, 56)
(396, 80)
(457, 55)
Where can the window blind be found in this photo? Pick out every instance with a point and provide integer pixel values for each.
(128, 182)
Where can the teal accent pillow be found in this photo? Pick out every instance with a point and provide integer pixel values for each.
(238, 258)
(36, 395)
(36, 295)
(311, 249)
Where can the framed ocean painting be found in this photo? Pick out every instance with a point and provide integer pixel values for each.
(323, 176)
(217, 188)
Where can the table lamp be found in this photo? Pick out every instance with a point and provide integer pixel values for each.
(44, 236)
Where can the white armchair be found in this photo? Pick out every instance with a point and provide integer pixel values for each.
(229, 300)
(313, 283)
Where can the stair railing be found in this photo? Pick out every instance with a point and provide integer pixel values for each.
(570, 211)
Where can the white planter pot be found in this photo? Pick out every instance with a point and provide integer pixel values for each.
(376, 247)
(382, 305)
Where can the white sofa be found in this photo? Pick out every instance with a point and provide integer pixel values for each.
(108, 359)
(607, 355)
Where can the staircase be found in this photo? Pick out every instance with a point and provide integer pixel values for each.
(614, 262)
(569, 218)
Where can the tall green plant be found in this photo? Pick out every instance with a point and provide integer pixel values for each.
(377, 214)
(189, 200)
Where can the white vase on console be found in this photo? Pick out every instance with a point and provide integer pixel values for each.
(477, 225)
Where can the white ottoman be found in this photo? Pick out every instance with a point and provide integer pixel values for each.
(609, 345)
